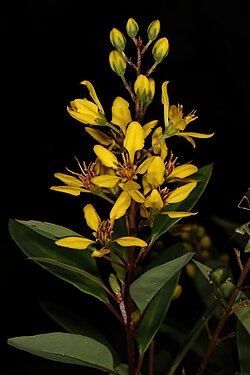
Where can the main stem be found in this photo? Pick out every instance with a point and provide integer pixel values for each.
(216, 337)
(129, 301)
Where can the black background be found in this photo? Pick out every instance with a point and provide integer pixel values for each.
(48, 48)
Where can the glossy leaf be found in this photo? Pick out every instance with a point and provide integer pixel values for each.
(243, 345)
(67, 348)
(84, 268)
(155, 314)
(27, 235)
(72, 322)
(148, 284)
(163, 223)
(81, 279)
(240, 309)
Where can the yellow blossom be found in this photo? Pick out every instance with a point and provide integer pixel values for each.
(102, 234)
(175, 123)
(88, 112)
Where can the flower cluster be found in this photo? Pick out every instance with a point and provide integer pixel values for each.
(132, 166)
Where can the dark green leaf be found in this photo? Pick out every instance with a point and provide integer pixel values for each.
(33, 244)
(67, 348)
(81, 279)
(163, 223)
(148, 284)
(155, 314)
(74, 323)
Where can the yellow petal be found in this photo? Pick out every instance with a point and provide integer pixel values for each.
(155, 172)
(154, 200)
(137, 196)
(165, 101)
(78, 243)
(183, 171)
(161, 148)
(69, 190)
(130, 241)
(91, 216)
(178, 214)
(93, 94)
(99, 136)
(148, 127)
(134, 139)
(121, 115)
(131, 185)
(144, 165)
(120, 207)
(107, 181)
(196, 135)
(180, 193)
(106, 156)
(100, 253)
(69, 180)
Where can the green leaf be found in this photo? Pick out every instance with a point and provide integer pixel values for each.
(33, 244)
(241, 306)
(49, 230)
(74, 323)
(155, 314)
(243, 345)
(80, 265)
(163, 223)
(81, 279)
(148, 284)
(67, 348)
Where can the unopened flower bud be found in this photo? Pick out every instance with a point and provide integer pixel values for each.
(160, 49)
(142, 88)
(151, 94)
(219, 275)
(117, 62)
(114, 284)
(135, 316)
(153, 30)
(177, 292)
(132, 28)
(117, 39)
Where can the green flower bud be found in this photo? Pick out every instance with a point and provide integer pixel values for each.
(117, 62)
(219, 275)
(153, 30)
(114, 284)
(160, 49)
(132, 28)
(142, 88)
(191, 269)
(117, 39)
(151, 94)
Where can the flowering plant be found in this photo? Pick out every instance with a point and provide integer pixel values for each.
(147, 190)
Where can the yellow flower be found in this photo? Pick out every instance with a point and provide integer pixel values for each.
(86, 111)
(174, 121)
(102, 233)
(121, 115)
